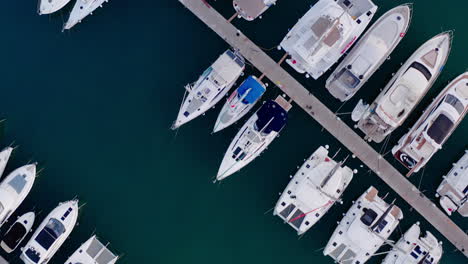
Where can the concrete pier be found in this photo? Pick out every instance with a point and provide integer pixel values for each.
(326, 118)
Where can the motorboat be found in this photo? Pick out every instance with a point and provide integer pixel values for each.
(92, 251)
(434, 127)
(4, 157)
(405, 90)
(82, 9)
(17, 232)
(453, 191)
(51, 234)
(369, 53)
(251, 9)
(255, 136)
(364, 229)
(50, 6)
(14, 189)
(325, 33)
(240, 102)
(314, 189)
(211, 87)
(412, 248)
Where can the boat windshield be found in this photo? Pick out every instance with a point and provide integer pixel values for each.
(368, 217)
(18, 183)
(453, 101)
(32, 255)
(422, 69)
(440, 129)
(50, 233)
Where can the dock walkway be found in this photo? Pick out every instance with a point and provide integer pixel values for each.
(330, 122)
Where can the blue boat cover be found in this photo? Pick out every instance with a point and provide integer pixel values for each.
(257, 90)
(271, 110)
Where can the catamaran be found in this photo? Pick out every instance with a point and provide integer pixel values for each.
(364, 229)
(404, 91)
(211, 87)
(369, 53)
(14, 189)
(251, 9)
(81, 10)
(241, 101)
(435, 125)
(51, 6)
(453, 191)
(325, 33)
(255, 136)
(412, 248)
(4, 157)
(93, 251)
(51, 234)
(17, 232)
(314, 189)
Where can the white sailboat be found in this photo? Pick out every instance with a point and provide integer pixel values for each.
(251, 9)
(364, 229)
(4, 157)
(211, 87)
(434, 127)
(369, 53)
(51, 6)
(51, 234)
(82, 9)
(412, 248)
(407, 87)
(314, 189)
(453, 191)
(325, 33)
(14, 189)
(92, 251)
(17, 232)
(255, 136)
(241, 101)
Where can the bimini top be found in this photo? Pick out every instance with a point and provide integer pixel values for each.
(271, 117)
(256, 90)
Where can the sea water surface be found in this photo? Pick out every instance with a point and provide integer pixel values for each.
(94, 106)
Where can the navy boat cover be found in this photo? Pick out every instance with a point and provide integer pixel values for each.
(271, 110)
(257, 90)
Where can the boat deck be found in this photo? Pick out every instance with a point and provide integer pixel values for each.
(330, 122)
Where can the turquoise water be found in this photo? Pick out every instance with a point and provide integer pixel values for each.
(94, 105)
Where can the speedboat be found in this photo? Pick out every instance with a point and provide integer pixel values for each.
(14, 189)
(51, 6)
(364, 229)
(325, 33)
(17, 232)
(404, 91)
(4, 157)
(453, 191)
(251, 9)
(211, 87)
(412, 248)
(255, 136)
(241, 101)
(314, 189)
(369, 53)
(51, 234)
(92, 252)
(434, 127)
(81, 10)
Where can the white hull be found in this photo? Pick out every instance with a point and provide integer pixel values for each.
(4, 157)
(82, 9)
(92, 252)
(51, 6)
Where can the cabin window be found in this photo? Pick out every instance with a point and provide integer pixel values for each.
(440, 129)
(453, 101)
(368, 217)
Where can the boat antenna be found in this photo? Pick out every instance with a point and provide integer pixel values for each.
(336, 153)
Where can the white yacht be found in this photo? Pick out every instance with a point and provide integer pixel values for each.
(364, 229)
(51, 6)
(412, 248)
(14, 189)
(211, 87)
(51, 234)
(435, 125)
(4, 157)
(404, 91)
(17, 232)
(81, 10)
(313, 190)
(241, 101)
(453, 191)
(325, 33)
(255, 136)
(251, 9)
(369, 53)
(92, 252)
